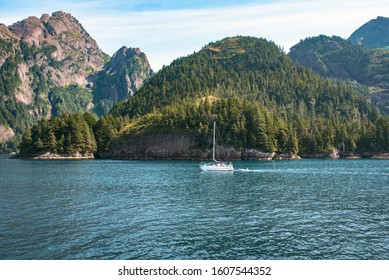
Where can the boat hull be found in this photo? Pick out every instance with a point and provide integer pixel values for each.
(214, 167)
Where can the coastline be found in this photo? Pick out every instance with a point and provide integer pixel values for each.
(231, 154)
(54, 156)
(248, 155)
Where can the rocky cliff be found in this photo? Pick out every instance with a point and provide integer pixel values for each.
(121, 77)
(51, 65)
(181, 146)
(60, 45)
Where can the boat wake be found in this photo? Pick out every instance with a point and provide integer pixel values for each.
(248, 170)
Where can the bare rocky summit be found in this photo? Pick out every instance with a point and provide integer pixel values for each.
(62, 39)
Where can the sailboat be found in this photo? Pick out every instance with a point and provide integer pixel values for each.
(215, 165)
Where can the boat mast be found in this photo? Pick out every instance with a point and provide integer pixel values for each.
(214, 138)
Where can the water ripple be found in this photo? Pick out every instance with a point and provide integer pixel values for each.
(308, 209)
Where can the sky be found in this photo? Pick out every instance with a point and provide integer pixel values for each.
(167, 29)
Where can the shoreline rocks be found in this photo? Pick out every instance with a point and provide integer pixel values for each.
(49, 155)
(181, 148)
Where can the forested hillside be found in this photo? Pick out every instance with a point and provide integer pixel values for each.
(334, 57)
(259, 99)
(373, 34)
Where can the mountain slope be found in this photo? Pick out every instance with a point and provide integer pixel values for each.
(332, 57)
(259, 98)
(121, 77)
(50, 66)
(335, 57)
(373, 34)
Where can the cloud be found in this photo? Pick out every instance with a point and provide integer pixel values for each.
(166, 31)
(166, 35)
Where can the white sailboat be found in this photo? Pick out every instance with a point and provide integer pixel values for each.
(215, 165)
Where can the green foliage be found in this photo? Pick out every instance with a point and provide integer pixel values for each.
(48, 99)
(69, 99)
(12, 113)
(335, 57)
(258, 97)
(106, 131)
(67, 134)
(249, 86)
(5, 45)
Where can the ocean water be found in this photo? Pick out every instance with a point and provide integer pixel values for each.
(113, 209)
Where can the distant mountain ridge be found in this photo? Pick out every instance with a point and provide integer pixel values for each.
(51, 65)
(362, 61)
(373, 34)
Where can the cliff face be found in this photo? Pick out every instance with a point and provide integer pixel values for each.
(51, 65)
(60, 45)
(178, 146)
(121, 77)
(37, 55)
(155, 146)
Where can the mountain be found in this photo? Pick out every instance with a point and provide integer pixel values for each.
(334, 57)
(51, 65)
(121, 77)
(373, 34)
(261, 101)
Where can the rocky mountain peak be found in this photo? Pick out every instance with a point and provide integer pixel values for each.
(5, 33)
(53, 66)
(30, 30)
(120, 58)
(122, 76)
(62, 31)
(61, 23)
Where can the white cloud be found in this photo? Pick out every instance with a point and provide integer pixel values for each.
(168, 34)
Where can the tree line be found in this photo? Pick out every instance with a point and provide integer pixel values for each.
(242, 124)
(71, 133)
(259, 98)
(246, 124)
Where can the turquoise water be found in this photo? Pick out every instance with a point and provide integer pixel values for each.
(103, 209)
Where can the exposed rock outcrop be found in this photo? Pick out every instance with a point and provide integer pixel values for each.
(68, 52)
(181, 146)
(49, 155)
(6, 133)
(121, 77)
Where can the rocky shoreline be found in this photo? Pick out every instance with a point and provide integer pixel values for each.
(247, 155)
(347, 155)
(49, 155)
